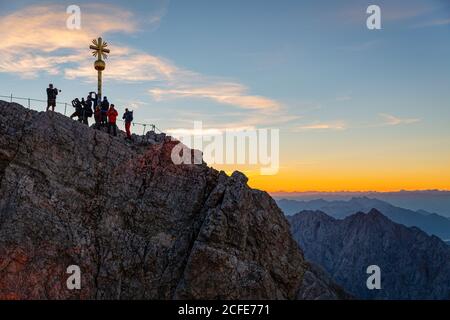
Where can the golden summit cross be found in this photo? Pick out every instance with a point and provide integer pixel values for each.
(100, 52)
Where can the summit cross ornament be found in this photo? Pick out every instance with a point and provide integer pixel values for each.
(101, 53)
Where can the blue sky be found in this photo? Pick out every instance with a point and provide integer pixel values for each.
(339, 93)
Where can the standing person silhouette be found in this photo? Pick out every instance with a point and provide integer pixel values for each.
(87, 110)
(105, 108)
(128, 117)
(94, 97)
(98, 117)
(112, 117)
(51, 97)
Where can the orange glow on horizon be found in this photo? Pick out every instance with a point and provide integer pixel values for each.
(292, 180)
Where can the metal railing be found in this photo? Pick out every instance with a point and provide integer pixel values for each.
(30, 101)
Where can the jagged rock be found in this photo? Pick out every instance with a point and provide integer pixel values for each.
(150, 138)
(413, 264)
(139, 226)
(317, 283)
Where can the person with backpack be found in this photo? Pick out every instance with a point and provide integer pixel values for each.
(112, 118)
(105, 108)
(128, 118)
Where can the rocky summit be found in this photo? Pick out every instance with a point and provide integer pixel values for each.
(137, 225)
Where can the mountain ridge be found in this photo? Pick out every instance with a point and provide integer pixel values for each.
(137, 225)
(437, 201)
(413, 264)
(430, 223)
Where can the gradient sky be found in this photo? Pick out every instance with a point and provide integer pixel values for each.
(357, 109)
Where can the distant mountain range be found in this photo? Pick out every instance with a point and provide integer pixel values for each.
(437, 201)
(413, 264)
(431, 223)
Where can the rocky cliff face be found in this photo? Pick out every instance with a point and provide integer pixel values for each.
(138, 226)
(413, 265)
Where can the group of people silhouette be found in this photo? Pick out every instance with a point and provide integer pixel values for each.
(104, 113)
